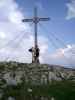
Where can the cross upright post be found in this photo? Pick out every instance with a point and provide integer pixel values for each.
(35, 50)
(35, 25)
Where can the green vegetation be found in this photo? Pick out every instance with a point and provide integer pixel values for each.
(64, 90)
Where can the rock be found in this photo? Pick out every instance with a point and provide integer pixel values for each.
(35, 73)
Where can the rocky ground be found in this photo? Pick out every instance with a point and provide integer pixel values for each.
(20, 75)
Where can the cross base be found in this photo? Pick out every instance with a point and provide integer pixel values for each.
(35, 54)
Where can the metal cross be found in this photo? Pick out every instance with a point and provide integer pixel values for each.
(35, 49)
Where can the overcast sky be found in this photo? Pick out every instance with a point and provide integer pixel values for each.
(56, 37)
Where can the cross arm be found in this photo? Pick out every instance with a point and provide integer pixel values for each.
(44, 19)
(27, 20)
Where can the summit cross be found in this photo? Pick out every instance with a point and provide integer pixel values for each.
(35, 50)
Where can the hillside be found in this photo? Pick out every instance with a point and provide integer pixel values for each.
(36, 82)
